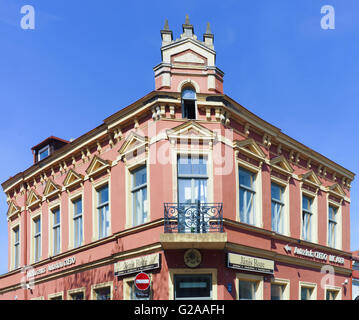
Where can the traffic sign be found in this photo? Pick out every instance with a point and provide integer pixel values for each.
(142, 281)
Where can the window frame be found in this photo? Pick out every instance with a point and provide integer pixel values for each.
(76, 291)
(308, 285)
(36, 256)
(100, 286)
(284, 283)
(56, 230)
(254, 176)
(47, 147)
(15, 247)
(282, 204)
(133, 191)
(256, 279)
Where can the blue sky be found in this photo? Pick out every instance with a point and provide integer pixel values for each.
(85, 60)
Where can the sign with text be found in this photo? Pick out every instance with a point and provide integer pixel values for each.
(241, 262)
(139, 264)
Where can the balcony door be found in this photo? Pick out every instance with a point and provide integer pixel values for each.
(192, 180)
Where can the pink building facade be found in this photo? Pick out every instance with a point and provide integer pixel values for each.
(187, 185)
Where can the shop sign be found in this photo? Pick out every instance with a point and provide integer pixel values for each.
(315, 255)
(139, 264)
(51, 267)
(237, 261)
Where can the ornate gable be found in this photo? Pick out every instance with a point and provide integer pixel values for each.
(336, 190)
(311, 178)
(133, 144)
(281, 164)
(250, 148)
(13, 210)
(190, 130)
(33, 199)
(51, 189)
(72, 179)
(97, 165)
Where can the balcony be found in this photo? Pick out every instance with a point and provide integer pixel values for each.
(198, 225)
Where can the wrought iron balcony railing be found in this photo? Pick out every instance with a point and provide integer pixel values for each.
(193, 217)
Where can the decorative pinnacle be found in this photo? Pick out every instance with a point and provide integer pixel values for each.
(166, 27)
(208, 30)
(187, 20)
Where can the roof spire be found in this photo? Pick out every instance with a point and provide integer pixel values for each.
(208, 30)
(188, 29)
(166, 27)
(208, 37)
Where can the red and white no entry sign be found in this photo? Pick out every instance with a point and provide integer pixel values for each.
(142, 281)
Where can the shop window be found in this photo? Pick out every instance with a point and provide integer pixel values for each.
(189, 103)
(277, 291)
(193, 286)
(77, 296)
(103, 293)
(331, 295)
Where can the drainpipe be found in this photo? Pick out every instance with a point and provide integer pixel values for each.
(25, 236)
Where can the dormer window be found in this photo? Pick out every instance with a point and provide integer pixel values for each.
(188, 103)
(43, 153)
(47, 147)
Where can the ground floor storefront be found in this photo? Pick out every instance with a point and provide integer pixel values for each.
(232, 273)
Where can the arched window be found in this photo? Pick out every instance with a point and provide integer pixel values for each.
(189, 103)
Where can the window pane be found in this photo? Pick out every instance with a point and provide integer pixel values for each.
(139, 176)
(192, 165)
(305, 293)
(77, 296)
(246, 290)
(189, 94)
(193, 286)
(103, 294)
(77, 206)
(307, 203)
(277, 192)
(102, 195)
(277, 292)
(246, 178)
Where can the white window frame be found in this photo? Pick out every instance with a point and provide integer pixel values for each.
(75, 291)
(314, 216)
(339, 225)
(338, 291)
(286, 203)
(95, 217)
(258, 205)
(286, 285)
(53, 296)
(13, 246)
(54, 206)
(309, 285)
(134, 190)
(72, 199)
(47, 147)
(101, 286)
(256, 279)
(35, 216)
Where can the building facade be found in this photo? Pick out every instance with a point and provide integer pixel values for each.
(188, 186)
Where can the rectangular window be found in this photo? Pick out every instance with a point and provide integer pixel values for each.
(246, 290)
(192, 179)
(331, 295)
(103, 293)
(246, 196)
(277, 208)
(277, 291)
(139, 196)
(306, 218)
(43, 153)
(16, 247)
(77, 296)
(77, 221)
(103, 212)
(37, 239)
(332, 224)
(56, 231)
(306, 293)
